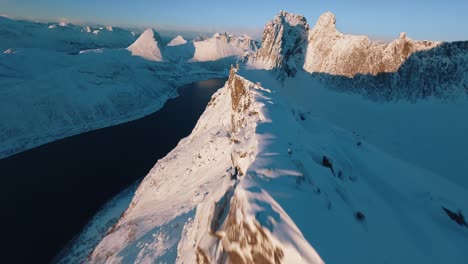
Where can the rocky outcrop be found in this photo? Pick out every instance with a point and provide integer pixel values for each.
(240, 100)
(242, 239)
(283, 45)
(330, 51)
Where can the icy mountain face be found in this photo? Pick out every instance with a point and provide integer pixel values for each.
(330, 51)
(260, 182)
(148, 46)
(64, 38)
(223, 46)
(179, 40)
(283, 44)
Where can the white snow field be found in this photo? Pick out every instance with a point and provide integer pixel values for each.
(47, 94)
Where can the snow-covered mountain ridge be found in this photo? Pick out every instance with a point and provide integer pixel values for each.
(256, 182)
(290, 43)
(219, 46)
(330, 51)
(402, 69)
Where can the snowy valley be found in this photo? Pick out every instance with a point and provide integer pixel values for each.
(321, 147)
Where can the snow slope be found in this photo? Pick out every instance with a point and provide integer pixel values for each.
(429, 133)
(179, 40)
(147, 46)
(259, 181)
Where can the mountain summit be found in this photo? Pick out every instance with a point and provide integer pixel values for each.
(179, 40)
(283, 44)
(289, 45)
(330, 51)
(147, 46)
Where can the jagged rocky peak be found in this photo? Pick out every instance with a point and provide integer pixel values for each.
(283, 45)
(330, 51)
(327, 21)
(148, 46)
(291, 19)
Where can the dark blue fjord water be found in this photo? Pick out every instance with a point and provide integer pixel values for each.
(49, 193)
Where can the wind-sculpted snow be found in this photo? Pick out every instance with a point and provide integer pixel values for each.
(260, 181)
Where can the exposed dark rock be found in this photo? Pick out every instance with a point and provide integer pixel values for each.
(360, 216)
(327, 163)
(457, 217)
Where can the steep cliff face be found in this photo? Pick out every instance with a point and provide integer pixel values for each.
(283, 44)
(330, 51)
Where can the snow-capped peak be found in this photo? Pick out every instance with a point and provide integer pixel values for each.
(291, 19)
(332, 52)
(179, 40)
(283, 45)
(327, 20)
(147, 46)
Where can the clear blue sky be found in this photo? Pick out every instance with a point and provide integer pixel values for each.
(438, 20)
